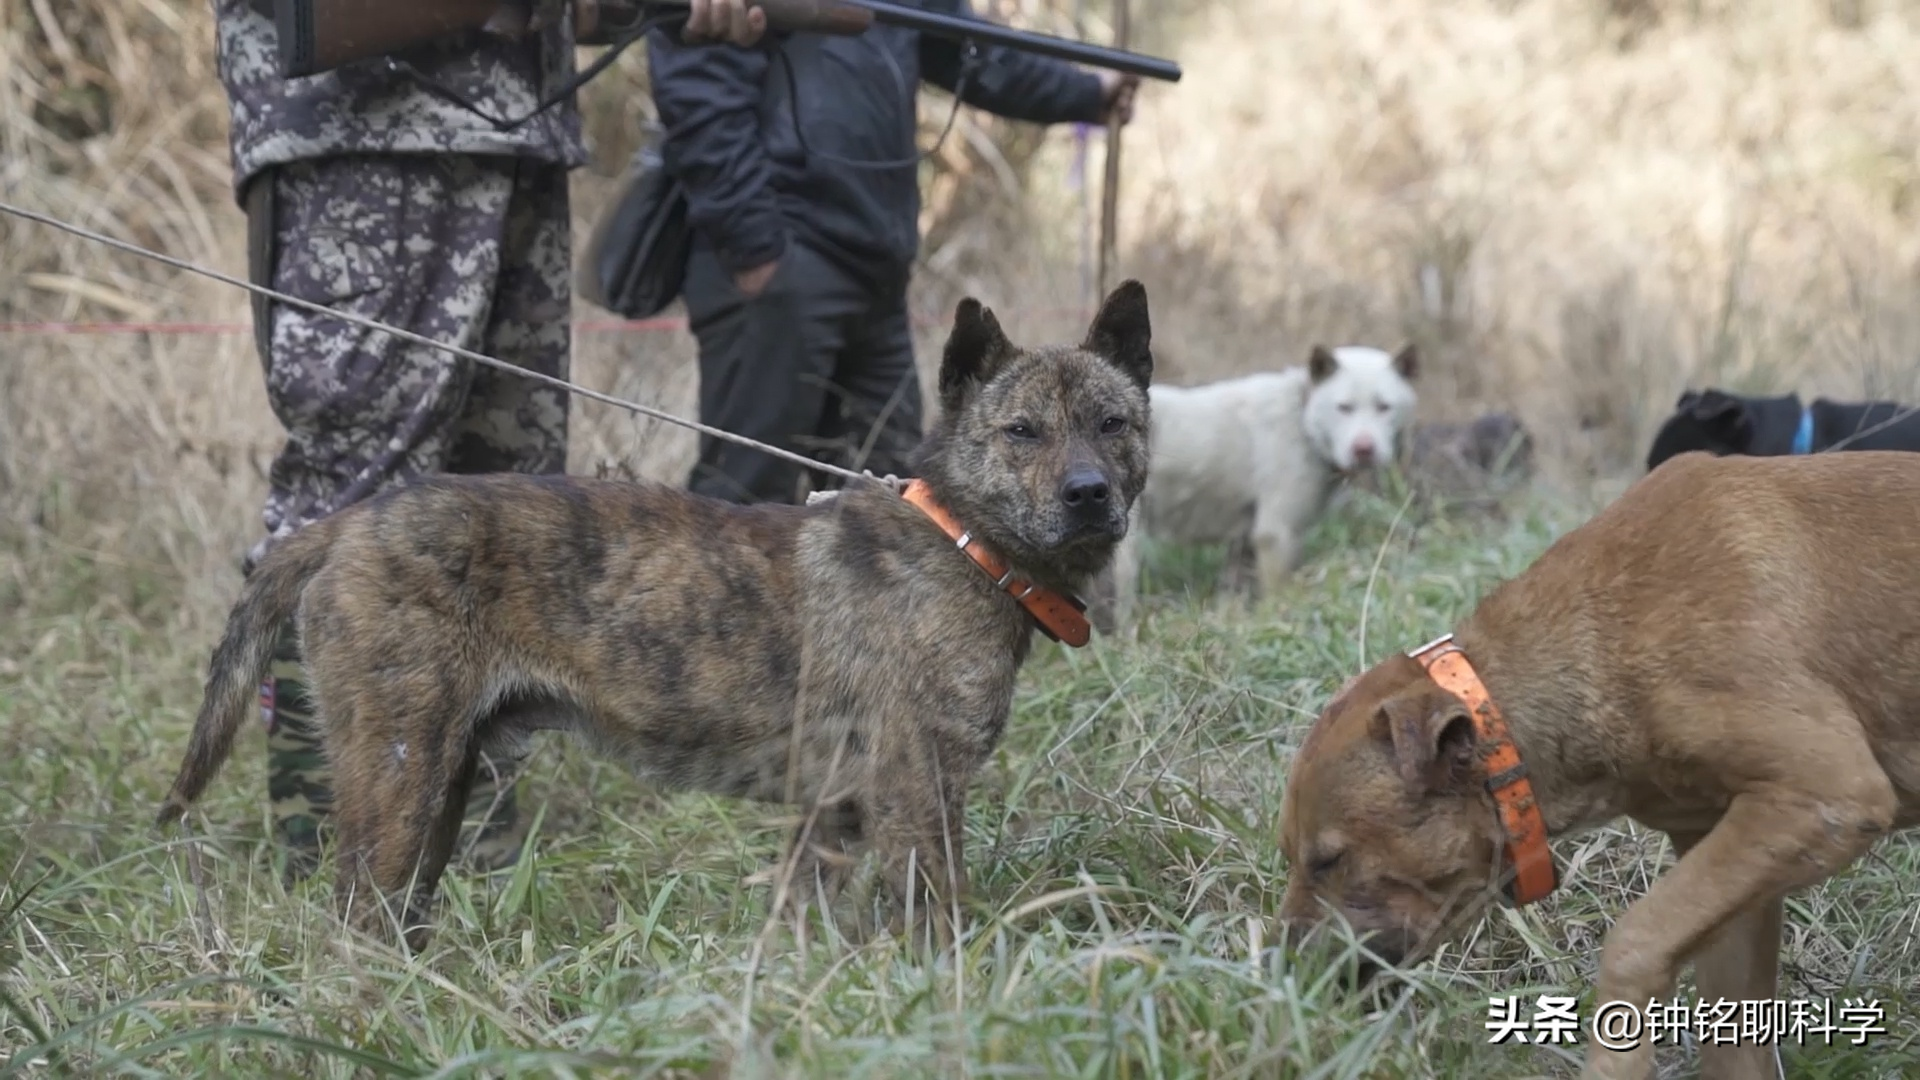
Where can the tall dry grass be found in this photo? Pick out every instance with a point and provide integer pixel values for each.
(150, 449)
(1574, 206)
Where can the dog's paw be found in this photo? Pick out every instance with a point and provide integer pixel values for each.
(809, 877)
(929, 932)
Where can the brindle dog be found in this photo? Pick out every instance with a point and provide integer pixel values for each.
(845, 656)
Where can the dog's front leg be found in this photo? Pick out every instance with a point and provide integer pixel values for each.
(821, 857)
(1768, 843)
(1276, 551)
(1281, 519)
(1739, 962)
(918, 827)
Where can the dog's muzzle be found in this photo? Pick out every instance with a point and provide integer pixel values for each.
(1091, 507)
(1382, 948)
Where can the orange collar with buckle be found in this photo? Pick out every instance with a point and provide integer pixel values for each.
(1060, 617)
(1527, 852)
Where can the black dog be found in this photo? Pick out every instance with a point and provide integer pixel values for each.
(1723, 423)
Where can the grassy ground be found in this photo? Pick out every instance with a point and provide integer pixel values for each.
(1123, 847)
(1573, 206)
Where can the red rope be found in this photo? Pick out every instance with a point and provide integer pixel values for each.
(584, 326)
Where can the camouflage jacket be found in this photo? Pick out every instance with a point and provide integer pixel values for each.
(367, 106)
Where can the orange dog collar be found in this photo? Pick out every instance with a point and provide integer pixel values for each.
(1061, 618)
(1527, 852)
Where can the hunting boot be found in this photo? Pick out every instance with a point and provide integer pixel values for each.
(298, 790)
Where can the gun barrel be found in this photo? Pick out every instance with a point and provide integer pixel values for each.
(848, 16)
(954, 26)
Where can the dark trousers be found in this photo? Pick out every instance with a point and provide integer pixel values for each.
(819, 363)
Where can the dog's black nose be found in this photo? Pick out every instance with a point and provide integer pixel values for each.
(1085, 490)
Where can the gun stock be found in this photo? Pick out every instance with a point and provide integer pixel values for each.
(320, 35)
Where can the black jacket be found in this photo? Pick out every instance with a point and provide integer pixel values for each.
(730, 138)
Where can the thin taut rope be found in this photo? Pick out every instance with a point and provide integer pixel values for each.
(418, 339)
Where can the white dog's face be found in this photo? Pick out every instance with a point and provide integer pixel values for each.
(1361, 399)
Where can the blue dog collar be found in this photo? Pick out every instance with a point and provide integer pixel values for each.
(1803, 438)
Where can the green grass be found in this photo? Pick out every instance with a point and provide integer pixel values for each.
(1122, 846)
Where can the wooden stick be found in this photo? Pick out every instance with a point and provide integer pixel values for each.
(1110, 189)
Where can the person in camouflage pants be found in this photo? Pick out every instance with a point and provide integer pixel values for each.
(367, 192)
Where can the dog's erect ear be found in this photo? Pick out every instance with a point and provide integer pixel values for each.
(1726, 416)
(976, 351)
(1407, 362)
(1432, 736)
(1122, 334)
(1321, 364)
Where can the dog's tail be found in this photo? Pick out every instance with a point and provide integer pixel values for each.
(271, 594)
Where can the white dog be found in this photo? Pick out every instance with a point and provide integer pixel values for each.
(1251, 461)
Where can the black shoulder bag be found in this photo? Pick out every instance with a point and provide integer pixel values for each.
(636, 255)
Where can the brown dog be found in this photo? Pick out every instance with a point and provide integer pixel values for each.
(1730, 653)
(856, 656)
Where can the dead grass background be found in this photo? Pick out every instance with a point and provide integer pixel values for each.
(1575, 206)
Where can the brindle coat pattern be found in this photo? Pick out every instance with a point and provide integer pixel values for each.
(843, 656)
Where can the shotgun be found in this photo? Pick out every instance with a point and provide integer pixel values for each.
(319, 35)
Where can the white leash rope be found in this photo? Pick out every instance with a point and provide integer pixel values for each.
(418, 339)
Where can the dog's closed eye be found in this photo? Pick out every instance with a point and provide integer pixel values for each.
(1325, 864)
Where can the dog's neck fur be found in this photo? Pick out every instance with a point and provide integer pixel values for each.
(1574, 779)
